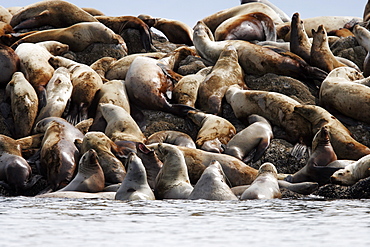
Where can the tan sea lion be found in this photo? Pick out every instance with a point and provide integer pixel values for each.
(90, 176)
(9, 62)
(114, 170)
(58, 93)
(24, 104)
(256, 136)
(249, 27)
(102, 65)
(277, 108)
(299, 41)
(255, 59)
(172, 137)
(284, 17)
(5, 15)
(321, 55)
(212, 185)
(77, 37)
(352, 173)
(53, 13)
(172, 181)
(362, 36)
(225, 72)
(212, 128)
(265, 186)
(344, 145)
(92, 11)
(135, 185)
(366, 15)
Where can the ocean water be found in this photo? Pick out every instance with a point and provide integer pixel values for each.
(28, 221)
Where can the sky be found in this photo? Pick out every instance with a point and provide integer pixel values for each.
(190, 11)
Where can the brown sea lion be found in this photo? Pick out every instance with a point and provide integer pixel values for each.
(92, 11)
(212, 185)
(172, 137)
(249, 27)
(53, 13)
(90, 176)
(353, 172)
(299, 41)
(9, 63)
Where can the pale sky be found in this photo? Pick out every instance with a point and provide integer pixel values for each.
(190, 11)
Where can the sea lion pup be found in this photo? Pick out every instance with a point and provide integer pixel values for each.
(114, 170)
(78, 36)
(255, 59)
(214, 20)
(342, 91)
(86, 82)
(186, 89)
(344, 145)
(172, 137)
(265, 186)
(120, 23)
(14, 169)
(317, 168)
(59, 155)
(214, 131)
(90, 176)
(352, 173)
(147, 86)
(120, 124)
(277, 108)
(299, 41)
(212, 185)
(24, 105)
(53, 13)
(225, 72)
(362, 36)
(9, 62)
(237, 172)
(321, 55)
(249, 27)
(135, 185)
(256, 137)
(58, 93)
(172, 181)
(284, 17)
(175, 31)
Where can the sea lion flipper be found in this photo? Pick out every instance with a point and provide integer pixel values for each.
(261, 148)
(324, 173)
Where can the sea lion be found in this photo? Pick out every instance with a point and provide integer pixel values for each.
(77, 37)
(78, 195)
(53, 13)
(344, 145)
(86, 82)
(237, 172)
(186, 89)
(212, 185)
(255, 59)
(277, 108)
(265, 186)
(34, 63)
(5, 15)
(59, 155)
(304, 188)
(256, 136)
(249, 27)
(9, 63)
(299, 41)
(214, 20)
(114, 170)
(144, 75)
(342, 91)
(317, 168)
(284, 17)
(352, 173)
(172, 137)
(362, 36)
(120, 23)
(14, 169)
(366, 15)
(172, 181)
(225, 72)
(321, 55)
(92, 11)
(90, 176)
(58, 93)
(212, 128)
(175, 31)
(120, 124)
(102, 65)
(135, 185)
(24, 104)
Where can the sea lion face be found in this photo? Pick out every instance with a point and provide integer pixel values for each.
(343, 176)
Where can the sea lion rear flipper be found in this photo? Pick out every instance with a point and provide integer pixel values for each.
(31, 182)
(298, 150)
(180, 109)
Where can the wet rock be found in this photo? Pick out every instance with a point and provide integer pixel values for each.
(98, 50)
(190, 65)
(360, 190)
(349, 48)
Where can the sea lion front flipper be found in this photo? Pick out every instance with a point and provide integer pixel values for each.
(261, 148)
(324, 173)
(34, 22)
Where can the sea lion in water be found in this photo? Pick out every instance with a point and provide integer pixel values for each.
(172, 181)
(90, 176)
(135, 185)
(265, 186)
(257, 136)
(9, 62)
(172, 137)
(212, 185)
(24, 104)
(352, 173)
